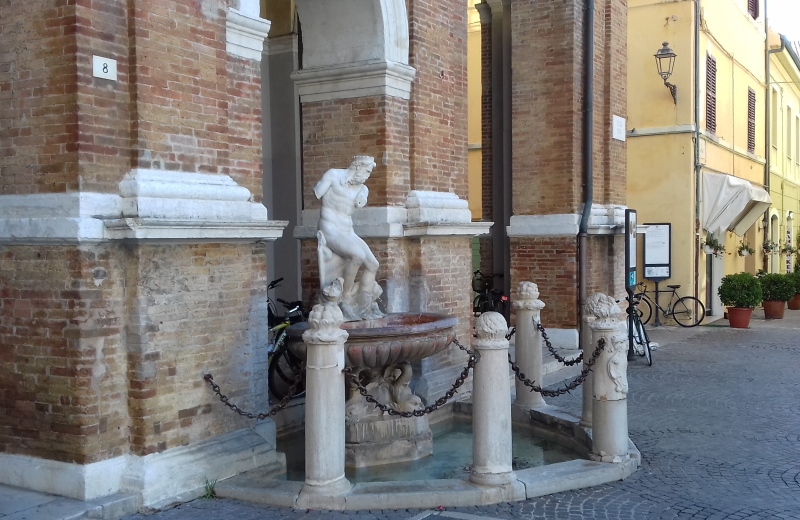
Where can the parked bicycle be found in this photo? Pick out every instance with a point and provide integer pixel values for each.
(487, 299)
(686, 311)
(283, 366)
(641, 341)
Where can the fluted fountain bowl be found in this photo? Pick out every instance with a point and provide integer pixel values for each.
(395, 338)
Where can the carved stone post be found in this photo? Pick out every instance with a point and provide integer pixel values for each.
(528, 351)
(587, 348)
(610, 385)
(491, 416)
(325, 426)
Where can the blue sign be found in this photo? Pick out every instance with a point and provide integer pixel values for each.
(631, 278)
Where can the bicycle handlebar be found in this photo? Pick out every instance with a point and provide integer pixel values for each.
(274, 283)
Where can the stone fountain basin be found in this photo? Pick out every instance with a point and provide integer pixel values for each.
(395, 338)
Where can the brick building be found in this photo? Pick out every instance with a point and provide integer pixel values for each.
(136, 172)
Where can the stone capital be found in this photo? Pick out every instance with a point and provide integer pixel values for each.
(604, 311)
(528, 297)
(325, 321)
(491, 329)
(484, 11)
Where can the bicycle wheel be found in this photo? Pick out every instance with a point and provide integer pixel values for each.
(644, 310)
(642, 333)
(283, 371)
(688, 311)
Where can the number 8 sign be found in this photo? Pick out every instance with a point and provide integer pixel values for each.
(105, 68)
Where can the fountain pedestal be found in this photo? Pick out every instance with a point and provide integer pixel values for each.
(380, 351)
(386, 439)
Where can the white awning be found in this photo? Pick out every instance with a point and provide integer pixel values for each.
(731, 203)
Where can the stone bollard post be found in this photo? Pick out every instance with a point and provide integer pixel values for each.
(325, 425)
(610, 385)
(528, 351)
(587, 349)
(491, 397)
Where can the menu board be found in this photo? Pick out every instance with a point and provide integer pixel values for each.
(657, 251)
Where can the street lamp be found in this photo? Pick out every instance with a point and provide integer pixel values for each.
(665, 61)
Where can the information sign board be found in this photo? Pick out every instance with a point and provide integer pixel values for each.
(658, 252)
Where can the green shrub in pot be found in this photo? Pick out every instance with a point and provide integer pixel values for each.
(740, 290)
(777, 287)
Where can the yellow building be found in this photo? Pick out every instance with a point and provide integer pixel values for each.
(784, 159)
(697, 161)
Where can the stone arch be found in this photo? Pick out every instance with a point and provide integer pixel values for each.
(353, 31)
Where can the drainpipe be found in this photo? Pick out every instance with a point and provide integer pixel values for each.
(588, 181)
(697, 166)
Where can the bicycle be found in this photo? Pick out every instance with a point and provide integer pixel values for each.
(487, 299)
(641, 341)
(687, 311)
(283, 366)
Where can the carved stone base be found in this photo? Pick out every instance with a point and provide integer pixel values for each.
(382, 440)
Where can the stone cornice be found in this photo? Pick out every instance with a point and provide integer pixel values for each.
(152, 205)
(244, 35)
(351, 80)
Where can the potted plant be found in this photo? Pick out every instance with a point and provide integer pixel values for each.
(788, 249)
(744, 249)
(794, 303)
(777, 289)
(712, 246)
(740, 293)
(769, 247)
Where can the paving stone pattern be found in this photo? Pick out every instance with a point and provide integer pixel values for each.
(717, 420)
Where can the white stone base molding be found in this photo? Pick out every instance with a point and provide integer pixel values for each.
(604, 219)
(426, 213)
(158, 205)
(158, 479)
(245, 31)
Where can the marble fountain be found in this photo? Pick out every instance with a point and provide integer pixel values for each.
(343, 430)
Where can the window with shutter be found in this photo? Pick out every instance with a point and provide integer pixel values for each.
(751, 120)
(711, 94)
(752, 8)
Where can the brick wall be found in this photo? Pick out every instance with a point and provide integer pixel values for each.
(63, 390)
(198, 309)
(179, 85)
(335, 131)
(103, 357)
(244, 124)
(546, 99)
(551, 263)
(38, 117)
(103, 109)
(438, 51)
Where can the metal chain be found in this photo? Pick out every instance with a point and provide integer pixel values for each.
(511, 333)
(474, 357)
(250, 415)
(561, 360)
(578, 381)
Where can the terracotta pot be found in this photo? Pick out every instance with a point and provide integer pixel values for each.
(794, 303)
(773, 310)
(739, 317)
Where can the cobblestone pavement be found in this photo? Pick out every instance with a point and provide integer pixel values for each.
(717, 420)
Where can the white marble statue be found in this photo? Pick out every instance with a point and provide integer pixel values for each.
(342, 253)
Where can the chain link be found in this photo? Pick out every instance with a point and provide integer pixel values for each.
(553, 352)
(250, 415)
(474, 357)
(569, 387)
(511, 333)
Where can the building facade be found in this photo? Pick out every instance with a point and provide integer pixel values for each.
(698, 162)
(152, 151)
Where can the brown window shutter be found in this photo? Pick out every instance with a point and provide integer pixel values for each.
(752, 8)
(711, 94)
(751, 120)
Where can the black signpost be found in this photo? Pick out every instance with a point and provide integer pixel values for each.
(630, 271)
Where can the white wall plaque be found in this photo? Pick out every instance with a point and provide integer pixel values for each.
(105, 68)
(618, 128)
